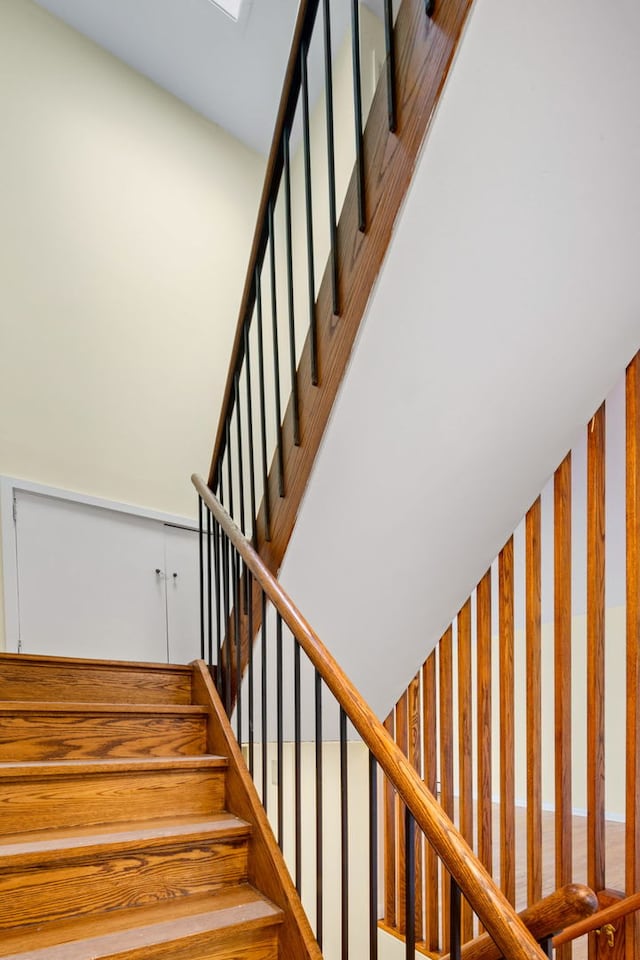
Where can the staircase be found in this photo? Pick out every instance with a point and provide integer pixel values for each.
(117, 839)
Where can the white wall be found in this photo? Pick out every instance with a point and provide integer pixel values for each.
(507, 307)
(126, 222)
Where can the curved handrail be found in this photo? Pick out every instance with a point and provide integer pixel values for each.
(487, 900)
(304, 25)
(608, 915)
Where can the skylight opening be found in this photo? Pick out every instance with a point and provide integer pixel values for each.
(229, 7)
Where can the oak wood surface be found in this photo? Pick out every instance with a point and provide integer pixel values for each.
(430, 774)
(63, 794)
(389, 838)
(622, 908)
(487, 900)
(209, 927)
(415, 756)
(483, 660)
(507, 732)
(465, 746)
(402, 739)
(44, 732)
(632, 802)
(266, 867)
(445, 729)
(595, 653)
(533, 640)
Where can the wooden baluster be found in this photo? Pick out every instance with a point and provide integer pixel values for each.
(445, 662)
(415, 756)
(562, 668)
(595, 655)
(465, 746)
(534, 703)
(389, 841)
(430, 775)
(483, 630)
(632, 838)
(402, 739)
(507, 739)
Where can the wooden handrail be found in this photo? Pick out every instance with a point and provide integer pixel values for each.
(302, 32)
(562, 907)
(608, 915)
(489, 903)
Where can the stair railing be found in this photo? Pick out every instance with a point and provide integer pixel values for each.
(289, 650)
(536, 639)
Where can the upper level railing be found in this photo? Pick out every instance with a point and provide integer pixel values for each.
(319, 154)
(292, 667)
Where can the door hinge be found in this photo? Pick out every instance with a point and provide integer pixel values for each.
(15, 510)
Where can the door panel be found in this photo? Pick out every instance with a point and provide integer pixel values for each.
(183, 594)
(87, 582)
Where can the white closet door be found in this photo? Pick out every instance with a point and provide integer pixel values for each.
(87, 581)
(183, 594)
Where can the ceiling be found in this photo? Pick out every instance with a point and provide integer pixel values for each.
(231, 72)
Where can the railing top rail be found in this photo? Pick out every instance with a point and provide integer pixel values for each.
(304, 25)
(599, 919)
(490, 904)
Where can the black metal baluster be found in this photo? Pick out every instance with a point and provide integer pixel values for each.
(276, 352)
(391, 64)
(240, 456)
(311, 281)
(429, 7)
(235, 570)
(217, 564)
(250, 653)
(297, 762)
(547, 946)
(263, 418)
(201, 557)
(357, 111)
(280, 729)
(344, 836)
(264, 700)
(454, 922)
(328, 81)
(229, 467)
(227, 632)
(209, 605)
(410, 884)
(373, 858)
(292, 328)
(319, 809)
(252, 466)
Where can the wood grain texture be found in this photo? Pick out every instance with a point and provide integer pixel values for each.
(430, 722)
(562, 670)
(533, 631)
(390, 867)
(595, 653)
(632, 806)
(465, 747)
(483, 631)
(507, 732)
(402, 739)
(211, 927)
(24, 677)
(43, 732)
(445, 728)
(415, 756)
(66, 794)
(48, 878)
(610, 914)
(563, 907)
(487, 900)
(266, 867)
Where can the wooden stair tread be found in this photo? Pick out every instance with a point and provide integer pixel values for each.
(48, 844)
(95, 937)
(84, 664)
(59, 768)
(14, 707)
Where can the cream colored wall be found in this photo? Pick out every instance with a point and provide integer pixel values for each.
(126, 222)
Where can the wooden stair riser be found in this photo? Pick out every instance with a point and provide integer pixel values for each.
(92, 882)
(29, 735)
(66, 801)
(25, 679)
